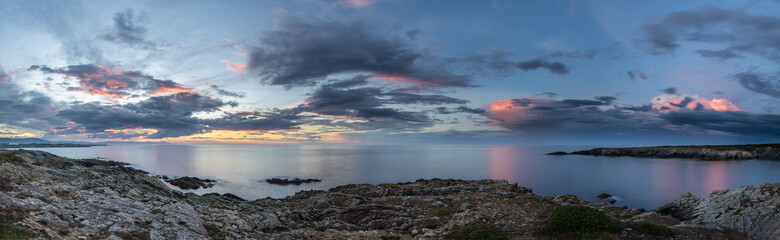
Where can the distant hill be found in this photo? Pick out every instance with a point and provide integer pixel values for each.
(23, 140)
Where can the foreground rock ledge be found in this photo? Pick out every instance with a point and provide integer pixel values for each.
(60, 198)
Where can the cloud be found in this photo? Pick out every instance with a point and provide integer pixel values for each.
(301, 53)
(761, 83)
(461, 109)
(533, 64)
(673, 114)
(114, 83)
(412, 34)
(719, 54)
(170, 115)
(738, 30)
(670, 90)
(537, 114)
(26, 109)
(128, 30)
(235, 67)
(636, 74)
(742, 123)
(675, 101)
(350, 98)
(224, 92)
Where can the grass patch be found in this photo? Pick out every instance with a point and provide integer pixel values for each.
(579, 221)
(443, 212)
(8, 231)
(478, 233)
(626, 216)
(654, 229)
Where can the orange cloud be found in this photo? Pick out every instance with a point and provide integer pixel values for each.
(235, 67)
(669, 102)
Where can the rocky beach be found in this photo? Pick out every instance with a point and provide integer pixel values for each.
(44, 196)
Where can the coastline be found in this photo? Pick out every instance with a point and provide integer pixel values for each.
(701, 152)
(54, 197)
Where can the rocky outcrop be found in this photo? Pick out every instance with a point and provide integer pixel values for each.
(191, 182)
(752, 209)
(57, 198)
(716, 152)
(293, 181)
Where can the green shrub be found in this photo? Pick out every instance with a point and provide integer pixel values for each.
(8, 231)
(478, 233)
(654, 229)
(579, 221)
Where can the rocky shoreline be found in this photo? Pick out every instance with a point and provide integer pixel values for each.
(704, 152)
(43, 196)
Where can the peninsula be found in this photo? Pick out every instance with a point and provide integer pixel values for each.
(702, 152)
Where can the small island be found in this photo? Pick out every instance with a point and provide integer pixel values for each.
(40, 143)
(701, 152)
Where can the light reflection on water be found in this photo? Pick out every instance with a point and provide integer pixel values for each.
(241, 169)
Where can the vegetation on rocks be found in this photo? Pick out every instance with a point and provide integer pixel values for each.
(581, 221)
(650, 228)
(9, 231)
(478, 233)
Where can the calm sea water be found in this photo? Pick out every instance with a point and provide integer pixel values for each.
(241, 169)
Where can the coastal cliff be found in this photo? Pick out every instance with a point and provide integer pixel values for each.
(704, 152)
(43, 196)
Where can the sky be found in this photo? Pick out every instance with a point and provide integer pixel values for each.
(391, 71)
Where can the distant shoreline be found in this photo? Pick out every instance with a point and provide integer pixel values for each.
(47, 145)
(701, 152)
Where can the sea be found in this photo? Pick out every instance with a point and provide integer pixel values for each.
(242, 169)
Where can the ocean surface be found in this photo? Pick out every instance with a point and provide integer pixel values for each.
(241, 169)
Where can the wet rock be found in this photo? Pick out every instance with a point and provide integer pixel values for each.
(293, 181)
(603, 196)
(191, 182)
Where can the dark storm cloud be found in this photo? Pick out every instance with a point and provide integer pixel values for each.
(533, 64)
(101, 80)
(741, 123)
(761, 83)
(368, 102)
(301, 53)
(719, 54)
(355, 81)
(171, 115)
(740, 31)
(128, 30)
(670, 90)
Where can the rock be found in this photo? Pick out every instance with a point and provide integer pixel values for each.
(752, 209)
(191, 182)
(714, 152)
(558, 153)
(294, 181)
(59, 198)
(603, 196)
